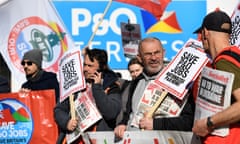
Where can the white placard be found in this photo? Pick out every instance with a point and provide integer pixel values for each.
(180, 73)
(70, 73)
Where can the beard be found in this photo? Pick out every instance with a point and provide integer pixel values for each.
(153, 70)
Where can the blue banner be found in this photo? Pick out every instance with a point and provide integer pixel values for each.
(175, 27)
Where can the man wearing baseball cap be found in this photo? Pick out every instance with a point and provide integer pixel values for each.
(37, 78)
(216, 31)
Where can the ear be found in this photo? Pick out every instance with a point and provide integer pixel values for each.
(139, 58)
(205, 34)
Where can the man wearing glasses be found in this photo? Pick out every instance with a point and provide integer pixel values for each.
(37, 78)
(151, 54)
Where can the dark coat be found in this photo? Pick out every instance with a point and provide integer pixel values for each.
(4, 85)
(184, 122)
(108, 104)
(47, 80)
(124, 85)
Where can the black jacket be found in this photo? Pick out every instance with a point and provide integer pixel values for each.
(184, 122)
(4, 85)
(43, 81)
(108, 104)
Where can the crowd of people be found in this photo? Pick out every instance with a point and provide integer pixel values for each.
(117, 99)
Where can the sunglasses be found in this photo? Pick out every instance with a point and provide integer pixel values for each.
(29, 63)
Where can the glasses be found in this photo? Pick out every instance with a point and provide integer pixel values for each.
(149, 54)
(29, 63)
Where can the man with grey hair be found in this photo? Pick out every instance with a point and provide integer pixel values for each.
(151, 54)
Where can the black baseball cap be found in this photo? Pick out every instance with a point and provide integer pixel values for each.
(216, 21)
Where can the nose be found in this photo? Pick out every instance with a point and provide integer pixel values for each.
(153, 56)
(25, 65)
(135, 73)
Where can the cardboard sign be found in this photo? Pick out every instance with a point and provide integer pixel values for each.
(131, 35)
(70, 73)
(179, 74)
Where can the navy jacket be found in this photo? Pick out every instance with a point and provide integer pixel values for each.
(4, 85)
(47, 80)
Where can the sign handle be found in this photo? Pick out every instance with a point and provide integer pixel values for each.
(156, 105)
(72, 106)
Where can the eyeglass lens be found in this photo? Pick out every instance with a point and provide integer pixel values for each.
(29, 63)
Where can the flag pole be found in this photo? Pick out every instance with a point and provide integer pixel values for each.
(101, 20)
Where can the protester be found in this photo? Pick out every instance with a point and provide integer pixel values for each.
(105, 91)
(216, 29)
(205, 47)
(151, 55)
(4, 85)
(37, 78)
(135, 68)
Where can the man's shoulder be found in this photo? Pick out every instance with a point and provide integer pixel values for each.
(47, 74)
(229, 55)
(3, 80)
(4, 85)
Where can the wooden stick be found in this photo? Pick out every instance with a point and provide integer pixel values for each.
(101, 20)
(72, 106)
(97, 26)
(151, 111)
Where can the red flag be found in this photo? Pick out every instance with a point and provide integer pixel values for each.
(156, 7)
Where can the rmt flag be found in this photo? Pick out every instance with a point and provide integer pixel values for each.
(31, 24)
